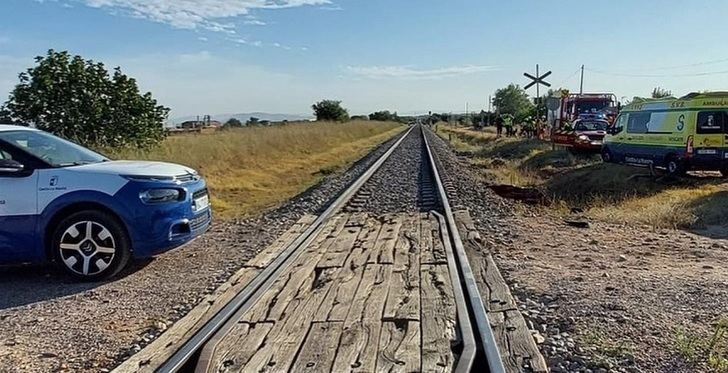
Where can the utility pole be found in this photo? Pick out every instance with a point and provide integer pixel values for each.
(490, 100)
(538, 93)
(581, 86)
(467, 113)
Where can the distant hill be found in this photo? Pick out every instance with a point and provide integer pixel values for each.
(243, 117)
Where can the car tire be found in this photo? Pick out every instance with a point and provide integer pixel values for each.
(675, 167)
(91, 245)
(607, 156)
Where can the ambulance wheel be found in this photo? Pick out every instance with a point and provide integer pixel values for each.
(607, 156)
(675, 167)
(91, 245)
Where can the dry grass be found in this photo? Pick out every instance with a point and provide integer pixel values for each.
(251, 169)
(608, 192)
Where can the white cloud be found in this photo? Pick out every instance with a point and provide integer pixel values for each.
(332, 7)
(196, 14)
(255, 22)
(409, 72)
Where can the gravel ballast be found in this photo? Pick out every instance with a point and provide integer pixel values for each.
(395, 187)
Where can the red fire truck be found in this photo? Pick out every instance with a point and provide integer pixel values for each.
(579, 121)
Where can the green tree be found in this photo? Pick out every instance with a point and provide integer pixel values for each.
(661, 93)
(233, 123)
(253, 121)
(80, 100)
(5, 116)
(513, 100)
(330, 110)
(383, 116)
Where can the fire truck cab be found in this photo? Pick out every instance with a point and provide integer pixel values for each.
(580, 121)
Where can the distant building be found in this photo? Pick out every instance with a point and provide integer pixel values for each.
(205, 122)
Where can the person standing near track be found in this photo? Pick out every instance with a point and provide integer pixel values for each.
(508, 124)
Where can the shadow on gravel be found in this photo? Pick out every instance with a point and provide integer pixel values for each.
(711, 215)
(27, 284)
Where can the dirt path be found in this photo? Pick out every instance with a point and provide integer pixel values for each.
(614, 297)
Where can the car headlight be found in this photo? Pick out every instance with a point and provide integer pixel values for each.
(583, 138)
(160, 195)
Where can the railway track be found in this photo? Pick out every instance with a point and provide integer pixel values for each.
(358, 290)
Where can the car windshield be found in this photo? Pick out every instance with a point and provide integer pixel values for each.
(591, 125)
(53, 150)
(591, 106)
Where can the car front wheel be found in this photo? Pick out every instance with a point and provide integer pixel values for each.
(91, 245)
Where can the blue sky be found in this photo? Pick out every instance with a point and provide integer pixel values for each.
(225, 56)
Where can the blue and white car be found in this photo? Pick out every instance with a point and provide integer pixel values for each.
(64, 203)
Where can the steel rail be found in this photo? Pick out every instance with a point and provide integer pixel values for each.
(467, 356)
(487, 339)
(265, 279)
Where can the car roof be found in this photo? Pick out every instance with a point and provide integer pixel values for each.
(12, 127)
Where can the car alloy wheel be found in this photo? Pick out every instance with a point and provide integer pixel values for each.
(87, 248)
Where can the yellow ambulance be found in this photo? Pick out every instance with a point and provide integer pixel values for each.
(689, 133)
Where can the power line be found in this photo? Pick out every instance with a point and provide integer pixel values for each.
(712, 62)
(658, 75)
(561, 84)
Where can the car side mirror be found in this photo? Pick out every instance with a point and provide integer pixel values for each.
(10, 167)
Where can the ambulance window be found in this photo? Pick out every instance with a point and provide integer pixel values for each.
(621, 122)
(637, 122)
(710, 122)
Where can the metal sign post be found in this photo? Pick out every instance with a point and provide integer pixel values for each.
(537, 80)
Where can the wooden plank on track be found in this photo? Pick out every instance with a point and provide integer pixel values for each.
(515, 342)
(357, 219)
(466, 226)
(360, 338)
(267, 256)
(496, 294)
(387, 239)
(336, 254)
(336, 305)
(403, 300)
(367, 239)
(407, 248)
(521, 342)
(272, 304)
(433, 249)
(285, 339)
(156, 353)
(319, 348)
(247, 339)
(517, 347)
(438, 319)
(399, 347)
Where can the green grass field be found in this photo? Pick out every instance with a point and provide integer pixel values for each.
(255, 168)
